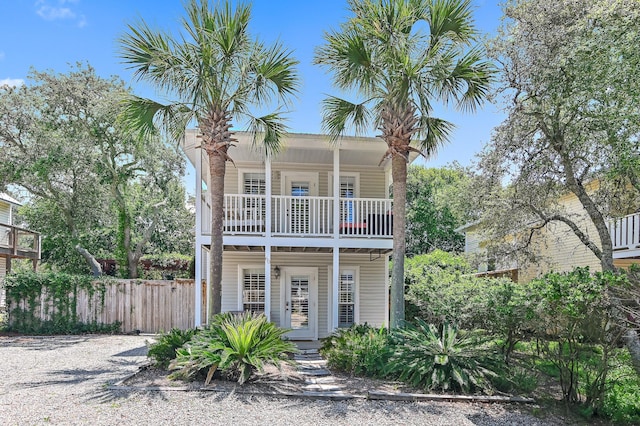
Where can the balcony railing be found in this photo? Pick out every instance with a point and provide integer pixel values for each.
(625, 232)
(303, 216)
(18, 242)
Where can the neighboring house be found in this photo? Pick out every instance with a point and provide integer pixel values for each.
(558, 248)
(15, 242)
(307, 233)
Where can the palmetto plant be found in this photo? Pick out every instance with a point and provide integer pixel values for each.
(439, 359)
(360, 350)
(164, 350)
(399, 56)
(237, 344)
(213, 74)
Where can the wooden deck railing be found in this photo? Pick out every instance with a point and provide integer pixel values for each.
(18, 242)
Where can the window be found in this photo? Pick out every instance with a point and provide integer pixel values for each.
(254, 183)
(347, 186)
(346, 298)
(253, 290)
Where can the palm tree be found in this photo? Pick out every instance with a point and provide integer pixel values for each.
(213, 74)
(399, 56)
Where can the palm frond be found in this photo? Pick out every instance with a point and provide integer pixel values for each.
(145, 117)
(348, 55)
(338, 114)
(451, 19)
(268, 132)
(435, 132)
(275, 73)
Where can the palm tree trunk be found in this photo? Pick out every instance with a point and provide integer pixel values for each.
(217, 166)
(399, 174)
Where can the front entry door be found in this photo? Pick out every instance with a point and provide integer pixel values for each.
(301, 303)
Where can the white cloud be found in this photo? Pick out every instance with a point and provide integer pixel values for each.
(51, 13)
(14, 82)
(51, 10)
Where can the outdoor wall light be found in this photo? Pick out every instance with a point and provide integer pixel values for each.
(276, 272)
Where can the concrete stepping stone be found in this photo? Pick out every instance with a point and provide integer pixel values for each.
(315, 372)
(320, 380)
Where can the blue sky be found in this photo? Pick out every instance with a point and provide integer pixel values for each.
(51, 34)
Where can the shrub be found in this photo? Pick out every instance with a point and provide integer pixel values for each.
(164, 350)
(360, 350)
(441, 289)
(440, 358)
(576, 327)
(236, 344)
(621, 402)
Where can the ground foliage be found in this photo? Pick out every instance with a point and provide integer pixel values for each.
(562, 328)
(237, 345)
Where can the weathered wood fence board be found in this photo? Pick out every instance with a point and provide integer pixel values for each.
(148, 306)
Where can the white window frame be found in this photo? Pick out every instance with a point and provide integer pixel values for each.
(241, 269)
(355, 175)
(312, 177)
(356, 299)
(242, 172)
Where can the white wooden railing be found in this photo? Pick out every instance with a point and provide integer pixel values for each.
(303, 216)
(625, 232)
(366, 216)
(244, 214)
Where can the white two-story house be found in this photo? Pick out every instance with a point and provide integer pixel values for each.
(307, 232)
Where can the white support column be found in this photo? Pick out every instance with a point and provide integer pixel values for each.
(336, 239)
(386, 290)
(198, 259)
(267, 281)
(268, 197)
(267, 230)
(198, 279)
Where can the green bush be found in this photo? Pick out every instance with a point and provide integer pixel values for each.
(621, 402)
(360, 350)
(577, 331)
(164, 350)
(440, 358)
(440, 289)
(236, 344)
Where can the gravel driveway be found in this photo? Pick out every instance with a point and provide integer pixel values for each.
(61, 380)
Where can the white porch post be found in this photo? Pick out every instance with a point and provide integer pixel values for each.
(336, 239)
(386, 290)
(198, 276)
(267, 247)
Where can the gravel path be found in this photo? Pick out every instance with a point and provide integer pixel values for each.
(62, 380)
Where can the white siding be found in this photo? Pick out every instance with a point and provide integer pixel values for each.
(371, 284)
(372, 179)
(5, 209)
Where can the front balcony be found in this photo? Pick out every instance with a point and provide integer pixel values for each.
(625, 236)
(306, 217)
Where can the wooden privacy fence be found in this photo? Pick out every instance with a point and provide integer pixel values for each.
(144, 305)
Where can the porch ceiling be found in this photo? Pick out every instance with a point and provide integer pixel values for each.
(282, 249)
(286, 249)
